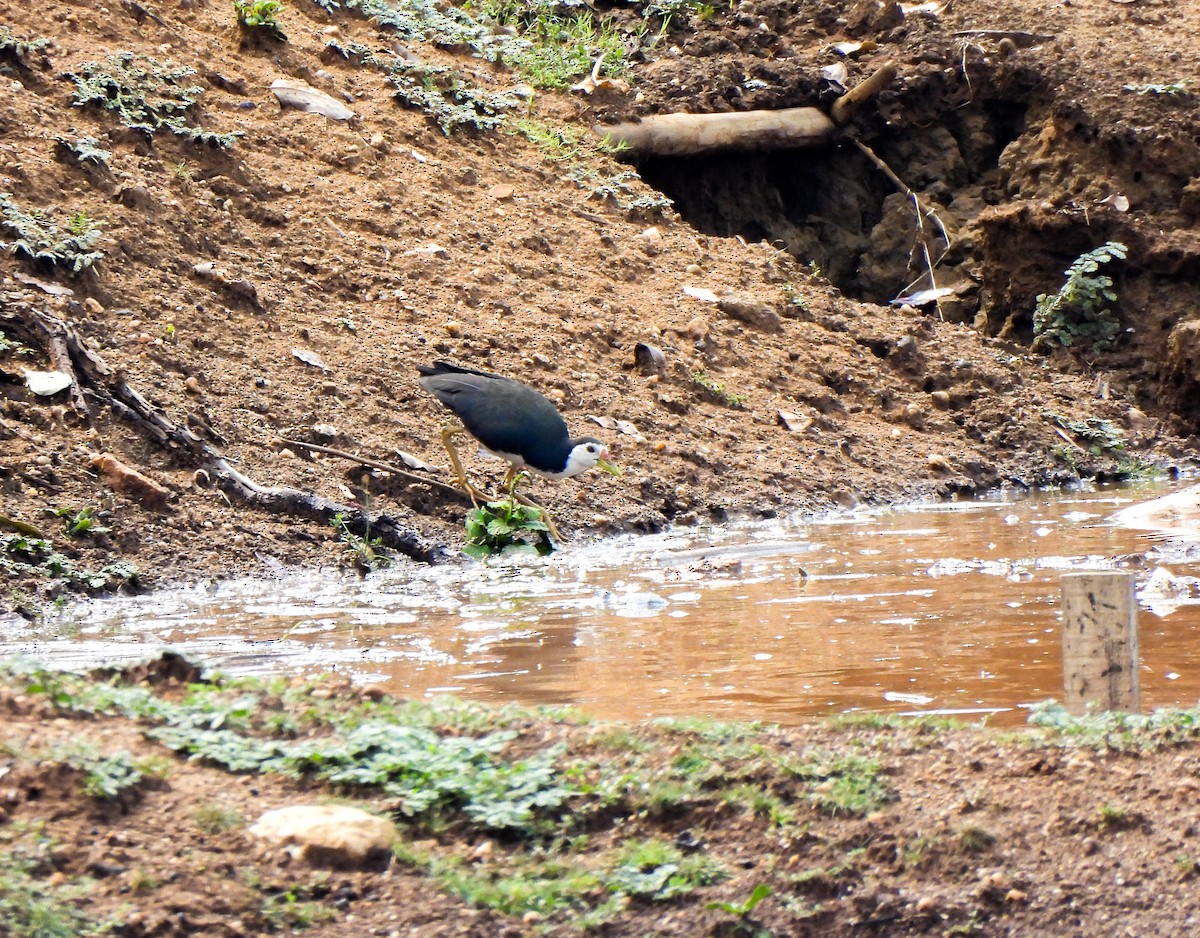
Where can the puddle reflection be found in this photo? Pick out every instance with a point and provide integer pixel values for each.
(949, 607)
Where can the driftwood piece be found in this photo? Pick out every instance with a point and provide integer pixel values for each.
(683, 134)
(845, 107)
(124, 399)
(382, 467)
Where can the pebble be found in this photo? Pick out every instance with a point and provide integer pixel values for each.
(941, 399)
(93, 305)
(192, 384)
(694, 269)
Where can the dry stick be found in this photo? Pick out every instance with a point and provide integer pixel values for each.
(845, 107)
(683, 134)
(921, 214)
(375, 464)
(124, 399)
(61, 359)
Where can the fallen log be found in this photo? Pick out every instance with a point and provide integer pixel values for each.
(114, 390)
(685, 134)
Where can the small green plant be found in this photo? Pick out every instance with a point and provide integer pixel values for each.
(716, 392)
(83, 151)
(213, 818)
(260, 16)
(107, 776)
(557, 143)
(146, 95)
(17, 50)
(11, 345)
(975, 839)
(505, 525)
(841, 783)
(622, 190)
(659, 871)
(741, 911)
(1101, 435)
(452, 102)
(32, 908)
(79, 522)
(287, 910)
(1112, 816)
(40, 240)
(1082, 309)
(1172, 89)
(24, 555)
(365, 552)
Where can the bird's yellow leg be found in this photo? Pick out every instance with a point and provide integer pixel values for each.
(476, 495)
(552, 529)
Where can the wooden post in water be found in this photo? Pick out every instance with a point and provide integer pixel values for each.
(1100, 641)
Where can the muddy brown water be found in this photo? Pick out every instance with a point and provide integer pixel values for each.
(929, 608)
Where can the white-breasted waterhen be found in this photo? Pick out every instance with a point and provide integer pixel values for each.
(513, 421)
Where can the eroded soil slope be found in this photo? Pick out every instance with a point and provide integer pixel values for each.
(287, 286)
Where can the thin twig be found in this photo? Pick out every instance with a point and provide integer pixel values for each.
(922, 214)
(375, 464)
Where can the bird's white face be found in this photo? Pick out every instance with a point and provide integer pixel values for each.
(588, 455)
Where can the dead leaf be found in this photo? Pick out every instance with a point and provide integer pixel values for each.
(304, 97)
(46, 383)
(836, 73)
(52, 288)
(796, 423)
(700, 293)
(923, 297)
(310, 358)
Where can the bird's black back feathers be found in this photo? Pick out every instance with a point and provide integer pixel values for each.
(506, 416)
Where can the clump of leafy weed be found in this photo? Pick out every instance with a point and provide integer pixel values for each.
(443, 24)
(23, 555)
(506, 525)
(1113, 730)
(83, 151)
(840, 783)
(1171, 89)
(17, 51)
(46, 243)
(30, 907)
(1082, 309)
(622, 190)
(260, 17)
(79, 522)
(108, 776)
(444, 96)
(657, 870)
(147, 95)
(1101, 435)
(365, 552)
(716, 391)
(213, 819)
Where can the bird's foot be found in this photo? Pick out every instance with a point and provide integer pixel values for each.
(551, 528)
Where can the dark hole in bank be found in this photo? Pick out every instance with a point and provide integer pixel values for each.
(831, 207)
